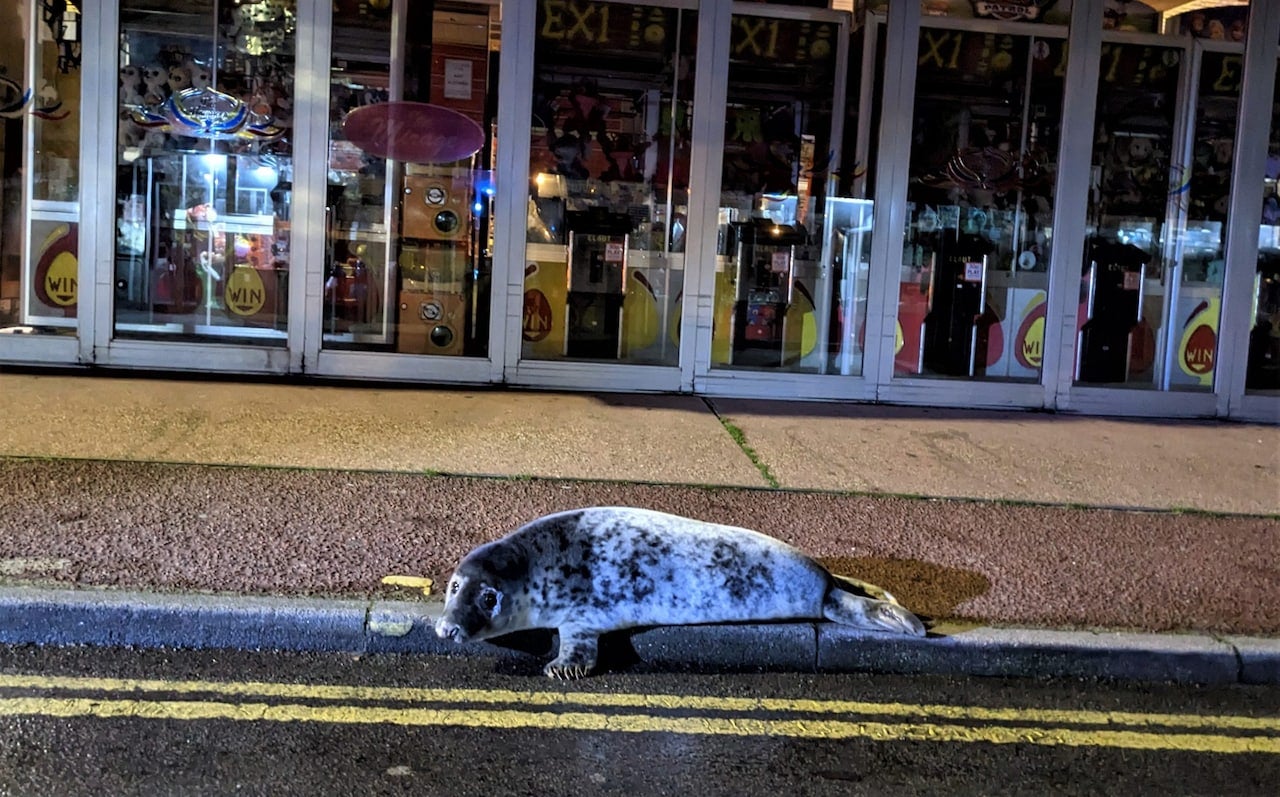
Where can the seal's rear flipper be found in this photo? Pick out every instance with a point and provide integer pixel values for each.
(846, 608)
(864, 588)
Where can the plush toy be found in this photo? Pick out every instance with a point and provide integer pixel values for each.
(1222, 151)
(154, 139)
(130, 83)
(198, 73)
(179, 79)
(154, 81)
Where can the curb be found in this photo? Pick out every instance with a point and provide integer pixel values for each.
(39, 616)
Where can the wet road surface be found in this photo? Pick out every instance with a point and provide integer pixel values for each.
(105, 721)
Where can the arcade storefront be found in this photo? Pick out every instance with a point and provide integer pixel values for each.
(981, 203)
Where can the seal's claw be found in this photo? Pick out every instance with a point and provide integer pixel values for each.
(892, 617)
(873, 615)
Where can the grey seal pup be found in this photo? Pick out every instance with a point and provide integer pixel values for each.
(589, 571)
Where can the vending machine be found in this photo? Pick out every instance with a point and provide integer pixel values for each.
(1113, 307)
(954, 344)
(598, 242)
(765, 257)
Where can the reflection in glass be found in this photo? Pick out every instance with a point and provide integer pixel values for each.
(974, 277)
(791, 266)
(408, 262)
(39, 163)
(608, 183)
(204, 169)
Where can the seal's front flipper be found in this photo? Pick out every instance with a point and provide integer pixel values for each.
(578, 649)
(854, 610)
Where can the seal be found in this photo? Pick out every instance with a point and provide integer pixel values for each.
(590, 571)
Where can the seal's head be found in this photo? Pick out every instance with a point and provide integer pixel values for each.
(482, 600)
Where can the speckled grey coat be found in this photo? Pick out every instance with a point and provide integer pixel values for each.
(589, 571)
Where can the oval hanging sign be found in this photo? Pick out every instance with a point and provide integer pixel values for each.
(413, 132)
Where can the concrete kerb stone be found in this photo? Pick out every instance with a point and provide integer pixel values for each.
(46, 616)
(31, 615)
(1259, 658)
(1181, 658)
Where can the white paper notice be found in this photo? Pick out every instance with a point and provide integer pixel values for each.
(457, 79)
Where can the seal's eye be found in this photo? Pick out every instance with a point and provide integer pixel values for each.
(488, 600)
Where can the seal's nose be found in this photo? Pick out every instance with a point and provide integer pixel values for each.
(448, 630)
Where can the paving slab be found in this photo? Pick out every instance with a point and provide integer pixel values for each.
(1020, 456)
(484, 431)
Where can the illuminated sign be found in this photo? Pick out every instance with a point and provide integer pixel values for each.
(1011, 10)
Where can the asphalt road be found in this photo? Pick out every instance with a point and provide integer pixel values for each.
(105, 721)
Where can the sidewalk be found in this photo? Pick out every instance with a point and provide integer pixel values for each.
(121, 484)
(1016, 456)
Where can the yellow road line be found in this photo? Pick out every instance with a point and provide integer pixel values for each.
(632, 723)
(642, 701)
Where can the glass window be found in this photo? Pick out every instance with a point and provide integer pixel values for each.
(793, 245)
(1152, 276)
(974, 277)
(39, 166)
(410, 226)
(1263, 369)
(608, 182)
(204, 169)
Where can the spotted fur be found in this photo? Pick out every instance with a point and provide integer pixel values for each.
(590, 571)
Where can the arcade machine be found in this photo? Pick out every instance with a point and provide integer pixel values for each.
(764, 256)
(1114, 273)
(954, 343)
(1263, 369)
(598, 241)
(436, 256)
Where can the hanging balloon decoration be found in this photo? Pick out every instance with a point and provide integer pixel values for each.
(13, 99)
(206, 113)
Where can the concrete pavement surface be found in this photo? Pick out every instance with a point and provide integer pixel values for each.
(162, 488)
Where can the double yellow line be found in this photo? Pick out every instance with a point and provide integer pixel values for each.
(631, 713)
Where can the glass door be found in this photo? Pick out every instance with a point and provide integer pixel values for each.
(1262, 370)
(204, 170)
(409, 186)
(608, 185)
(1152, 276)
(974, 276)
(40, 73)
(793, 240)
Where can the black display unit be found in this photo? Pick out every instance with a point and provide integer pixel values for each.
(764, 255)
(1262, 371)
(598, 242)
(1114, 273)
(954, 345)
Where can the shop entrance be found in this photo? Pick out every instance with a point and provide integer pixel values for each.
(790, 265)
(610, 143)
(973, 283)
